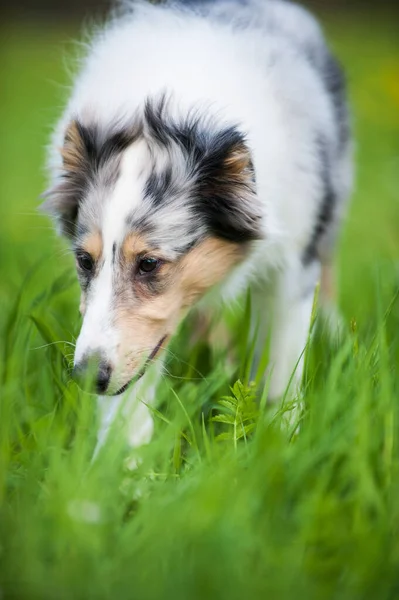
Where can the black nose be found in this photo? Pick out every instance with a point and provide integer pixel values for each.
(93, 372)
(103, 377)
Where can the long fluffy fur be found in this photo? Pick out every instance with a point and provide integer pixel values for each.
(231, 119)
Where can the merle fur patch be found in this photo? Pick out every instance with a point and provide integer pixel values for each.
(220, 178)
(87, 155)
(214, 185)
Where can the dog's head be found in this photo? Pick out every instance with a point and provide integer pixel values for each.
(158, 213)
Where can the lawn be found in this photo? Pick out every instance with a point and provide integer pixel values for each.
(232, 509)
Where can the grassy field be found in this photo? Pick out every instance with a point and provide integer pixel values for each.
(209, 513)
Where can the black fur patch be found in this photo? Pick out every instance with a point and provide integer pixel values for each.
(327, 206)
(160, 185)
(99, 150)
(221, 194)
(334, 80)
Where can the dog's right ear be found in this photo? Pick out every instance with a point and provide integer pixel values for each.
(62, 200)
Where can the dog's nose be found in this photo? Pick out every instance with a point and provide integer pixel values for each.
(93, 372)
(103, 377)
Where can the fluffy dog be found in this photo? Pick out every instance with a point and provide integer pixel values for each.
(205, 149)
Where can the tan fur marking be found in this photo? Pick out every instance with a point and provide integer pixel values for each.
(214, 331)
(200, 269)
(73, 151)
(134, 245)
(327, 285)
(93, 244)
(207, 264)
(238, 161)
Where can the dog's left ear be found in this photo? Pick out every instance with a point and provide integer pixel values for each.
(226, 189)
(63, 199)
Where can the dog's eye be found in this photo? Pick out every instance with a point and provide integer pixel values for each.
(85, 261)
(147, 265)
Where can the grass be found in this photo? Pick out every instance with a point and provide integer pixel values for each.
(225, 502)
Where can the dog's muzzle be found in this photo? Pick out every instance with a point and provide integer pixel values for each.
(94, 372)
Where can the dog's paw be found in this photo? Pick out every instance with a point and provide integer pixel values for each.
(140, 429)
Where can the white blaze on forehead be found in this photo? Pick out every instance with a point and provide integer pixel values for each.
(127, 195)
(98, 332)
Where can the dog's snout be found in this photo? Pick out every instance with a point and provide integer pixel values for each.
(93, 372)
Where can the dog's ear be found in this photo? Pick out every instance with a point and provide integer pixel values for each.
(227, 190)
(62, 200)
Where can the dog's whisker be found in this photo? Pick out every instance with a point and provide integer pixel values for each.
(183, 362)
(179, 377)
(201, 376)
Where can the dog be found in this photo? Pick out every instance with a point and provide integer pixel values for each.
(205, 149)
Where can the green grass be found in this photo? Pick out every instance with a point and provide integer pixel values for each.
(214, 510)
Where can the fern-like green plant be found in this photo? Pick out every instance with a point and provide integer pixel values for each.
(240, 413)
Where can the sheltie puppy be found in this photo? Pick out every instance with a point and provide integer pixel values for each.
(205, 149)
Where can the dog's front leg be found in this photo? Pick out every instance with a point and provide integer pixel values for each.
(132, 408)
(291, 316)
